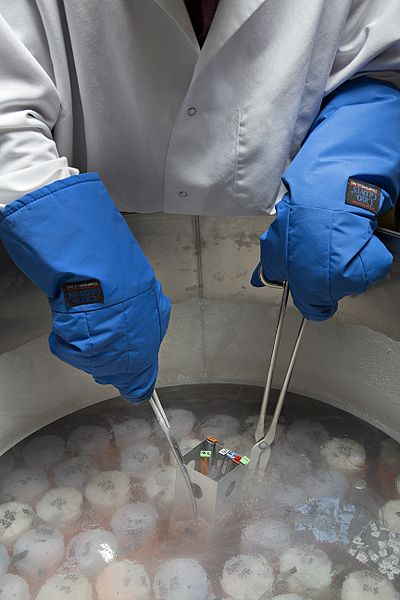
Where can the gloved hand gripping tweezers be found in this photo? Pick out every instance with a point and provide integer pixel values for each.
(261, 451)
(166, 428)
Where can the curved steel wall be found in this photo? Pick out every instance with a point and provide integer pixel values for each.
(221, 331)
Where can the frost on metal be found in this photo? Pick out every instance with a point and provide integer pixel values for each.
(378, 547)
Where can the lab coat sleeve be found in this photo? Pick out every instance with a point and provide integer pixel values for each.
(29, 108)
(370, 44)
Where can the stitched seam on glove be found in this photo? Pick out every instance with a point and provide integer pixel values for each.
(31, 198)
(79, 312)
(364, 270)
(91, 343)
(330, 260)
(127, 344)
(158, 313)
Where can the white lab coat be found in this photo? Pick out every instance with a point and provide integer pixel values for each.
(121, 87)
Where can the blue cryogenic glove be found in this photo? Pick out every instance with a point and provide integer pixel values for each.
(347, 172)
(109, 313)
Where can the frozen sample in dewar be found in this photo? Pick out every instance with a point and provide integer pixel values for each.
(27, 485)
(39, 551)
(138, 460)
(14, 587)
(220, 426)
(389, 515)
(15, 519)
(312, 570)
(130, 430)
(4, 559)
(345, 455)
(308, 436)
(90, 551)
(75, 472)
(89, 440)
(368, 585)
(182, 421)
(160, 485)
(135, 525)
(60, 507)
(181, 579)
(124, 580)
(44, 451)
(247, 577)
(108, 490)
(268, 537)
(66, 586)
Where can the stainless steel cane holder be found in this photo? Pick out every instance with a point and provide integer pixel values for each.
(217, 491)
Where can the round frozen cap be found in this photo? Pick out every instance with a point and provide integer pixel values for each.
(4, 559)
(13, 587)
(368, 585)
(90, 551)
(26, 485)
(138, 460)
(182, 421)
(90, 440)
(60, 507)
(108, 490)
(325, 482)
(308, 436)
(15, 519)
(134, 524)
(74, 472)
(242, 444)
(7, 464)
(313, 569)
(220, 426)
(66, 586)
(160, 485)
(266, 536)
(124, 580)
(246, 576)
(131, 431)
(181, 579)
(44, 451)
(344, 454)
(288, 462)
(41, 551)
(389, 515)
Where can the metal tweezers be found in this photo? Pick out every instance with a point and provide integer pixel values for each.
(261, 451)
(166, 428)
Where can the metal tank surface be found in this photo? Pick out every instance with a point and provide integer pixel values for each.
(221, 331)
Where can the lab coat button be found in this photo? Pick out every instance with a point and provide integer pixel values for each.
(191, 111)
(183, 194)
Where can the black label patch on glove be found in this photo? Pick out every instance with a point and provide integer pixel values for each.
(83, 292)
(362, 194)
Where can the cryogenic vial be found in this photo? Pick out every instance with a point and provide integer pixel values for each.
(389, 466)
(219, 426)
(108, 490)
(138, 460)
(44, 451)
(313, 570)
(129, 431)
(307, 436)
(41, 551)
(389, 515)
(182, 422)
(242, 444)
(124, 580)
(247, 576)
(89, 440)
(66, 586)
(135, 525)
(4, 559)
(13, 587)
(90, 551)
(160, 485)
(60, 507)
(181, 579)
(267, 537)
(185, 445)
(74, 472)
(27, 485)
(15, 519)
(368, 585)
(345, 455)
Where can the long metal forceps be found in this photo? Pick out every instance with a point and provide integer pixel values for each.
(166, 428)
(261, 451)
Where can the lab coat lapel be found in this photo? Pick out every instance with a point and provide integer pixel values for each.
(176, 9)
(230, 16)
